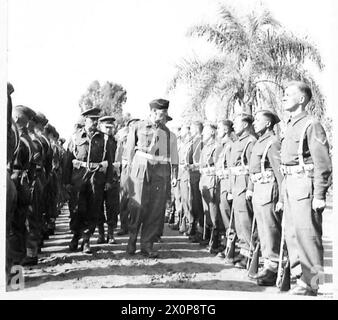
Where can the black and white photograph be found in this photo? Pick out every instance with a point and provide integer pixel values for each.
(168, 150)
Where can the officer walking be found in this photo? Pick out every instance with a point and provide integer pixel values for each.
(307, 169)
(265, 183)
(88, 172)
(110, 205)
(152, 158)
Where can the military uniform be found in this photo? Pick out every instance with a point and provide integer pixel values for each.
(265, 183)
(207, 186)
(222, 156)
(307, 169)
(122, 159)
(88, 168)
(110, 205)
(151, 155)
(243, 212)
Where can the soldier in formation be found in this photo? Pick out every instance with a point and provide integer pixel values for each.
(236, 188)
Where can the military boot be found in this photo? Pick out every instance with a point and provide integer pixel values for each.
(31, 259)
(85, 244)
(74, 243)
(111, 239)
(101, 238)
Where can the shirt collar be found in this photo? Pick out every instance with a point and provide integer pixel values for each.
(265, 136)
(298, 117)
(243, 136)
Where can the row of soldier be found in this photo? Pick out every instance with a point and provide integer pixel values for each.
(232, 183)
(34, 183)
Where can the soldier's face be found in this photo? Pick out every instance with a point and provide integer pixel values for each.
(222, 130)
(160, 115)
(261, 123)
(91, 124)
(292, 98)
(184, 131)
(207, 133)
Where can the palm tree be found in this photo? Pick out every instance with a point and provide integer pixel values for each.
(255, 57)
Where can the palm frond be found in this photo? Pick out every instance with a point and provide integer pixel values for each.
(264, 19)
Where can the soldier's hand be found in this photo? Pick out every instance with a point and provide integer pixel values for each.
(230, 197)
(248, 195)
(279, 207)
(108, 186)
(318, 205)
(173, 182)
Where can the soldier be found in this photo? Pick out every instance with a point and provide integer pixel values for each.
(110, 205)
(176, 191)
(152, 158)
(184, 180)
(22, 175)
(265, 183)
(196, 129)
(208, 183)
(11, 193)
(226, 138)
(238, 165)
(88, 171)
(307, 169)
(121, 158)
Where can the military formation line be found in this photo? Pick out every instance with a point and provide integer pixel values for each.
(235, 187)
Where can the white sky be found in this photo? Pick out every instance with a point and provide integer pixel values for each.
(56, 48)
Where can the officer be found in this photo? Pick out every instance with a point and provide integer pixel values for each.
(265, 183)
(208, 183)
(307, 169)
(196, 129)
(122, 159)
(152, 158)
(238, 165)
(226, 138)
(110, 205)
(88, 172)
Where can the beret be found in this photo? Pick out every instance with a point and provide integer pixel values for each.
(271, 114)
(23, 111)
(169, 118)
(91, 113)
(62, 140)
(10, 88)
(41, 118)
(160, 104)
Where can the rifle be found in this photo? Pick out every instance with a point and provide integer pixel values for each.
(231, 238)
(251, 249)
(253, 268)
(283, 273)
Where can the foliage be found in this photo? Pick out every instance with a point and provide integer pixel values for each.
(255, 57)
(110, 98)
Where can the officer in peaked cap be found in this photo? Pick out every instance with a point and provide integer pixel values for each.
(131, 121)
(152, 158)
(110, 205)
(88, 171)
(265, 185)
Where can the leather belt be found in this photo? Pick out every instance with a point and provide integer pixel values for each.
(208, 171)
(263, 177)
(159, 159)
(101, 166)
(297, 169)
(239, 170)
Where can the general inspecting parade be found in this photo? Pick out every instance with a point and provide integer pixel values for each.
(233, 186)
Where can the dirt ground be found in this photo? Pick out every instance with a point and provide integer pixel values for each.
(181, 265)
